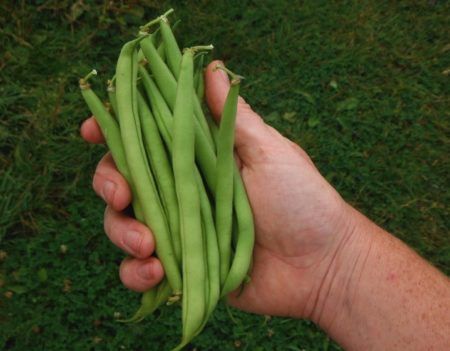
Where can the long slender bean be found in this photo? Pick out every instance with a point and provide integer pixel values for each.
(107, 123)
(194, 275)
(162, 74)
(173, 55)
(162, 171)
(212, 257)
(150, 301)
(111, 132)
(156, 99)
(126, 76)
(212, 253)
(167, 84)
(198, 78)
(224, 174)
(242, 259)
(161, 51)
(173, 52)
(193, 199)
(245, 232)
(147, 307)
(204, 151)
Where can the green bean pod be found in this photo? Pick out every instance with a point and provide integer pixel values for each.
(245, 239)
(162, 171)
(183, 161)
(199, 82)
(162, 74)
(161, 51)
(147, 307)
(173, 52)
(212, 127)
(173, 55)
(204, 150)
(126, 93)
(157, 101)
(108, 125)
(212, 258)
(167, 84)
(244, 232)
(224, 173)
(111, 132)
(150, 301)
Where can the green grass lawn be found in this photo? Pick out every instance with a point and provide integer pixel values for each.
(362, 86)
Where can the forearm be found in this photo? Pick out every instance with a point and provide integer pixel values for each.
(380, 295)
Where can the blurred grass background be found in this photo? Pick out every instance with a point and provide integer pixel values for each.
(362, 86)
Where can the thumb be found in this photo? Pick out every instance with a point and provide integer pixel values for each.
(250, 130)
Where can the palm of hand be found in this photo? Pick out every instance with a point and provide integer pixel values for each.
(296, 213)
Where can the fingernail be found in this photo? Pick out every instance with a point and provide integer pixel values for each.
(223, 76)
(108, 191)
(145, 271)
(221, 72)
(132, 240)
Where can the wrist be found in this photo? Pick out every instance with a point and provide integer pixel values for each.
(343, 270)
(379, 294)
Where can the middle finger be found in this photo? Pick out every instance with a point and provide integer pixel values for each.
(128, 234)
(110, 184)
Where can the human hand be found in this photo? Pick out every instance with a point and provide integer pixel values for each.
(300, 219)
(140, 271)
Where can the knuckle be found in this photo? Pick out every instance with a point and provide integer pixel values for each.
(139, 249)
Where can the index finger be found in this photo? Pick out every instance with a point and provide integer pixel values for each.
(91, 132)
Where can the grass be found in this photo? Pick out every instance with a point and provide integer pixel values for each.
(362, 86)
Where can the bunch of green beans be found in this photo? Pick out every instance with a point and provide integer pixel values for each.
(181, 170)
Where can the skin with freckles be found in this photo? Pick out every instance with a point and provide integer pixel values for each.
(315, 256)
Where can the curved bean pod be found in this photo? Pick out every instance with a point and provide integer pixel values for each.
(212, 253)
(198, 79)
(126, 93)
(111, 132)
(204, 150)
(158, 104)
(245, 240)
(212, 258)
(167, 84)
(173, 55)
(162, 171)
(173, 52)
(224, 176)
(148, 306)
(194, 274)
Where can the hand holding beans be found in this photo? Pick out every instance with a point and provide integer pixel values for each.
(183, 179)
(300, 219)
(163, 146)
(314, 257)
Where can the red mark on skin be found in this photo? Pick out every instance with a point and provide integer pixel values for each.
(391, 276)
